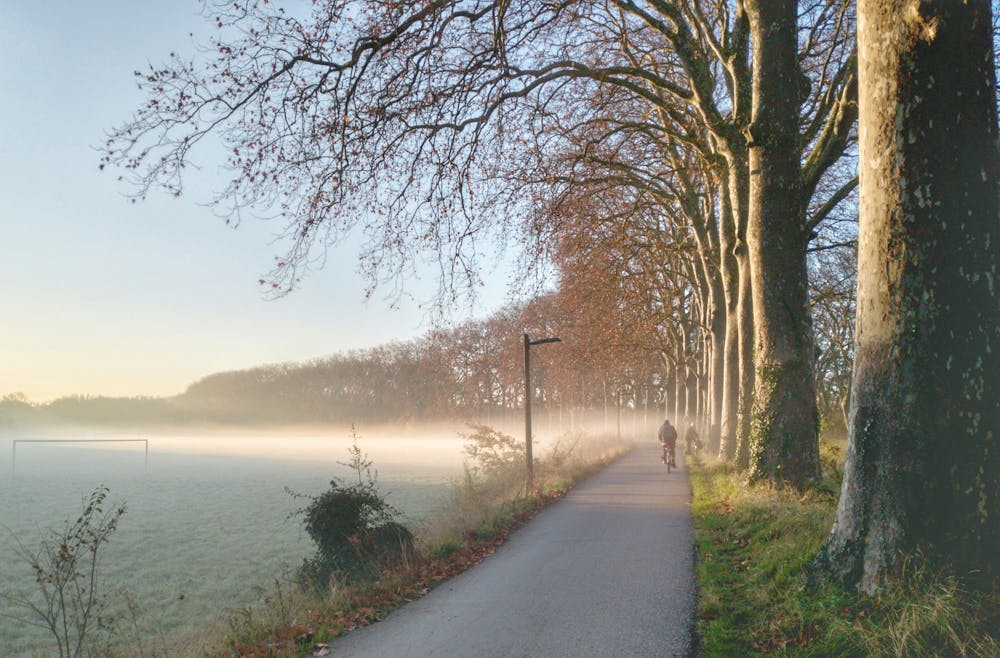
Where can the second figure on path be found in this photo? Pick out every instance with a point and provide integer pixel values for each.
(693, 443)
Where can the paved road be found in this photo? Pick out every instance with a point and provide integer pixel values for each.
(607, 571)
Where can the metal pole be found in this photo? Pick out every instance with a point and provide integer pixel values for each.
(634, 398)
(527, 412)
(527, 402)
(619, 415)
(645, 408)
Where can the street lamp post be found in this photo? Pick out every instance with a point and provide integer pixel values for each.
(527, 403)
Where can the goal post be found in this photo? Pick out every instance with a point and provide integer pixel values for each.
(14, 442)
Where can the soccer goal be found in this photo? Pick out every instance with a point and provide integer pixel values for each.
(14, 442)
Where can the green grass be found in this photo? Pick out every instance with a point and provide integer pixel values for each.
(755, 545)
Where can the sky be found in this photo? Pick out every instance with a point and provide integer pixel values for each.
(104, 297)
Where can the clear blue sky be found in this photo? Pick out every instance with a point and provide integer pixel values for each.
(103, 297)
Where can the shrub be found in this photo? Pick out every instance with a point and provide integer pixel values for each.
(564, 451)
(356, 531)
(491, 452)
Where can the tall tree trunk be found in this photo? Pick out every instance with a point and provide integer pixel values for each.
(784, 441)
(730, 347)
(740, 176)
(922, 457)
(744, 414)
(670, 394)
(680, 378)
(715, 370)
(703, 371)
(691, 406)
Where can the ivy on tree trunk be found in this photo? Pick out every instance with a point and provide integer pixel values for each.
(784, 445)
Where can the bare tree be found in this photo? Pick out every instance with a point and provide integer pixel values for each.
(832, 299)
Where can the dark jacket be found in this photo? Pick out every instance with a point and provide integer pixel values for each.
(667, 433)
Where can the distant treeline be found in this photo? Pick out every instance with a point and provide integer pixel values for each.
(16, 410)
(473, 370)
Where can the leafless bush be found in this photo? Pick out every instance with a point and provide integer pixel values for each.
(68, 600)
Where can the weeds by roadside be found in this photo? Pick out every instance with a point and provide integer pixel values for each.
(754, 547)
(486, 506)
(73, 600)
(357, 532)
(70, 600)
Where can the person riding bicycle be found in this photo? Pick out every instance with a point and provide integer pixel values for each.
(668, 437)
(692, 441)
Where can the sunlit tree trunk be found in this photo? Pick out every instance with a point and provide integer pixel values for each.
(784, 446)
(737, 355)
(744, 324)
(703, 372)
(715, 370)
(730, 359)
(735, 261)
(680, 377)
(923, 461)
(670, 395)
(691, 406)
(735, 264)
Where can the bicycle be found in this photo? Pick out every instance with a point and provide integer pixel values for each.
(668, 456)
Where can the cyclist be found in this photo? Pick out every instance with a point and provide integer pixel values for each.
(668, 437)
(692, 441)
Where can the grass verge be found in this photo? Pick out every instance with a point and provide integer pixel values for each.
(484, 510)
(754, 548)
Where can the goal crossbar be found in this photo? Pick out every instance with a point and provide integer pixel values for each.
(14, 442)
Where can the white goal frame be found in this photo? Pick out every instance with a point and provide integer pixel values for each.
(14, 442)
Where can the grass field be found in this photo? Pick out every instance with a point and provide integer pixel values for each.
(207, 529)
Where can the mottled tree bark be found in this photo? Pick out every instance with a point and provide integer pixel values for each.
(716, 364)
(730, 348)
(784, 440)
(746, 359)
(739, 195)
(691, 405)
(670, 392)
(680, 378)
(922, 461)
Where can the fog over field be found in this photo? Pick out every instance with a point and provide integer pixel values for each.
(207, 529)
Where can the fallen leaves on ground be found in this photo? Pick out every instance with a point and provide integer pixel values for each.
(365, 603)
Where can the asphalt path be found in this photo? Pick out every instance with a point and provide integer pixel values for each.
(606, 571)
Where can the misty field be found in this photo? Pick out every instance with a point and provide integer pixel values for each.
(207, 529)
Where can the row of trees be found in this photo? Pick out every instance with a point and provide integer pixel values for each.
(473, 371)
(677, 162)
(466, 115)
